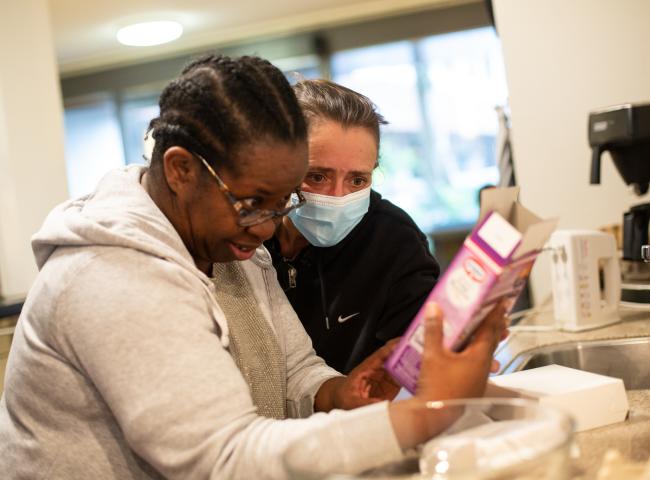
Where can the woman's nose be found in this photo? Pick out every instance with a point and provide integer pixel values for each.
(264, 230)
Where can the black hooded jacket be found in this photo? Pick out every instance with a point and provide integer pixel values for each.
(355, 296)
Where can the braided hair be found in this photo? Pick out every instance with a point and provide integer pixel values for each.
(219, 104)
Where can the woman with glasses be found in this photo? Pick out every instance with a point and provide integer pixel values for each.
(156, 342)
(355, 267)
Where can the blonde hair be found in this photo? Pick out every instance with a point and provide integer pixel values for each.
(326, 100)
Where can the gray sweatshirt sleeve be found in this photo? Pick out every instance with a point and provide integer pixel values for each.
(144, 338)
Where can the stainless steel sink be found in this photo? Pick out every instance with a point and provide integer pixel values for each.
(627, 359)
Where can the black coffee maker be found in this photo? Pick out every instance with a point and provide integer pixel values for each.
(624, 131)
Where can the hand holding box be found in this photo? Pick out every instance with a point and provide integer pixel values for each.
(493, 263)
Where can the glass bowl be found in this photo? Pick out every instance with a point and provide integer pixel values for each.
(477, 439)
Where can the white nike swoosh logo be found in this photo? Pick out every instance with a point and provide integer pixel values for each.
(345, 319)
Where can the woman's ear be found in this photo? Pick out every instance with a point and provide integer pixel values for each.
(181, 170)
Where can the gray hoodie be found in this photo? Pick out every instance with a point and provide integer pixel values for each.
(119, 366)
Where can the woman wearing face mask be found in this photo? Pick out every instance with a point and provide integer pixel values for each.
(354, 266)
(156, 342)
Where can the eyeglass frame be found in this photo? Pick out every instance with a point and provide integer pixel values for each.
(243, 212)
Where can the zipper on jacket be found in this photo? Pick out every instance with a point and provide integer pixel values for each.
(323, 296)
(292, 273)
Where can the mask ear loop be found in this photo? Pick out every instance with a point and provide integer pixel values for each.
(149, 142)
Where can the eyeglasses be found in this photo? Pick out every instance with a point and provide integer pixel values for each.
(247, 214)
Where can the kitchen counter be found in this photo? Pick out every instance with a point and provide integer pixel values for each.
(632, 437)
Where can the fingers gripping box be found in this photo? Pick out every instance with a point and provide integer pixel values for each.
(492, 264)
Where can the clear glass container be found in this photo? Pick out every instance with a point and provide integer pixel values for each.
(477, 439)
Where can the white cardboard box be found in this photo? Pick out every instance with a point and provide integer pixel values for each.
(593, 400)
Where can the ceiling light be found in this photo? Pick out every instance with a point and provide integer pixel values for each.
(149, 33)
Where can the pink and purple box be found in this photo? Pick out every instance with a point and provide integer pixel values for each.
(492, 264)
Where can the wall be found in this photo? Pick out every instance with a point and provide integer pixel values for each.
(563, 59)
(32, 162)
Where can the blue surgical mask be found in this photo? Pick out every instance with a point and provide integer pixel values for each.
(325, 220)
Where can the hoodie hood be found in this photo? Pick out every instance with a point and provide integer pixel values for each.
(120, 213)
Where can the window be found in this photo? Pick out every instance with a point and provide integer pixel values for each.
(439, 95)
(93, 142)
(297, 68)
(135, 115)
(108, 130)
(437, 92)
(102, 133)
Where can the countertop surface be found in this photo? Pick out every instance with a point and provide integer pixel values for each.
(632, 437)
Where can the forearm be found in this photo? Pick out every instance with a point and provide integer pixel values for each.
(325, 399)
(403, 417)
(415, 421)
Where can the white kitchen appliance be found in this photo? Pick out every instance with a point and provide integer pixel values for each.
(586, 279)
